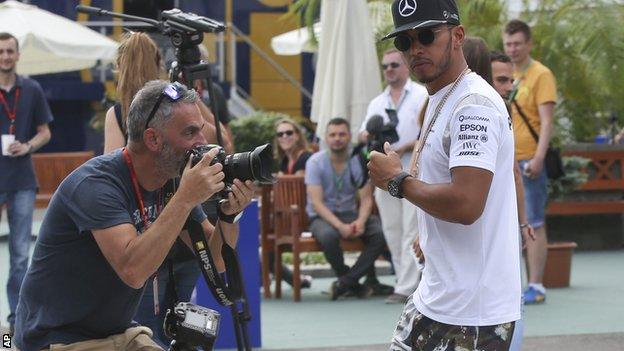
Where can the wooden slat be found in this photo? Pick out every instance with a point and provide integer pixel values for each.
(52, 168)
(585, 207)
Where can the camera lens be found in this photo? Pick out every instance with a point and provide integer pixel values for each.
(252, 165)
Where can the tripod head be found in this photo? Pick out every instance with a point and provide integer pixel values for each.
(185, 30)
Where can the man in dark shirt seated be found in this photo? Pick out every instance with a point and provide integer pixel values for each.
(107, 230)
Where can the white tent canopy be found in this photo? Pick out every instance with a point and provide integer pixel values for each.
(295, 42)
(51, 43)
(347, 74)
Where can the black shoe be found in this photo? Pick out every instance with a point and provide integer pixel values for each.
(338, 289)
(378, 288)
(362, 291)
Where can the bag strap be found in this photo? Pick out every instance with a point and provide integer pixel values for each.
(526, 120)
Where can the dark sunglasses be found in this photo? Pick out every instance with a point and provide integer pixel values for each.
(286, 132)
(426, 37)
(385, 66)
(173, 91)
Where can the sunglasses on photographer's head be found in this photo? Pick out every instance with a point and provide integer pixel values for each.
(172, 91)
(285, 133)
(426, 36)
(392, 65)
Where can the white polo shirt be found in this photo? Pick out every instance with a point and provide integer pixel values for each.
(408, 109)
(472, 272)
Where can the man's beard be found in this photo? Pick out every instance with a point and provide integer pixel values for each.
(170, 162)
(442, 68)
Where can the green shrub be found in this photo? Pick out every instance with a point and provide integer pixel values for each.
(255, 129)
(574, 177)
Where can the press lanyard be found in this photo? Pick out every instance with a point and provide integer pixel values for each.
(11, 114)
(144, 217)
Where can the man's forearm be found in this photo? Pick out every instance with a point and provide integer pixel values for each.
(546, 127)
(147, 251)
(40, 139)
(326, 214)
(366, 207)
(444, 201)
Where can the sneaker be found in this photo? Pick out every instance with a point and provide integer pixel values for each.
(306, 281)
(396, 298)
(533, 296)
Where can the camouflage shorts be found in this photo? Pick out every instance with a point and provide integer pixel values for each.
(415, 331)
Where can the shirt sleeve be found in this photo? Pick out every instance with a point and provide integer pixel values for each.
(313, 171)
(475, 132)
(97, 204)
(41, 110)
(545, 88)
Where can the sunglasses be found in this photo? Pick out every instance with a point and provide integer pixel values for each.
(173, 91)
(385, 66)
(285, 133)
(403, 42)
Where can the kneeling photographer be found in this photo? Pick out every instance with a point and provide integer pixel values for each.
(393, 117)
(106, 230)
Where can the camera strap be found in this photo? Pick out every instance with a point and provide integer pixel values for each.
(224, 294)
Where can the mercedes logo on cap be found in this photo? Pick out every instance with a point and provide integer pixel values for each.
(407, 7)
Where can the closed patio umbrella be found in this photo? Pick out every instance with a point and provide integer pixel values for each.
(50, 43)
(347, 70)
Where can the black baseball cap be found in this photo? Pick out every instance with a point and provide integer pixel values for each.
(413, 14)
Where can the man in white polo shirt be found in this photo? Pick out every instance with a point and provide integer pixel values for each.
(404, 99)
(461, 180)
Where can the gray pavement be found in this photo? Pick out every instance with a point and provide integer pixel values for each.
(586, 316)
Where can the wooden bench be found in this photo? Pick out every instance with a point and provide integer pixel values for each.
(283, 220)
(605, 171)
(52, 168)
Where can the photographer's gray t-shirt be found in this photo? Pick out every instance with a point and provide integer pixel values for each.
(71, 293)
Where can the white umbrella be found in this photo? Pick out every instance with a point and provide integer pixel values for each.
(347, 70)
(295, 42)
(51, 43)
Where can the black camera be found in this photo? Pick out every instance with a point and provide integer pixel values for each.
(196, 325)
(253, 165)
(379, 132)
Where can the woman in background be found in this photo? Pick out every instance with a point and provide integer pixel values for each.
(291, 151)
(291, 147)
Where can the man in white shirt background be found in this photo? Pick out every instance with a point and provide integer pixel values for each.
(398, 216)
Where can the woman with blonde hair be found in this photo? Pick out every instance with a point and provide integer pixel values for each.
(291, 147)
(138, 62)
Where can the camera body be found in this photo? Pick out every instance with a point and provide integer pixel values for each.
(253, 165)
(379, 132)
(196, 325)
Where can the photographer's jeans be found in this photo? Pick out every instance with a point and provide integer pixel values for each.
(185, 274)
(20, 207)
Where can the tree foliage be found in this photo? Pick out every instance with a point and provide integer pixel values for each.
(581, 41)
